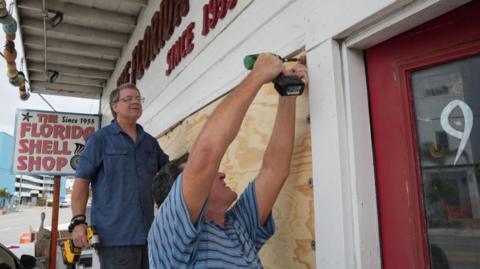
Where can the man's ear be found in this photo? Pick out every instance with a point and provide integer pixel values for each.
(114, 107)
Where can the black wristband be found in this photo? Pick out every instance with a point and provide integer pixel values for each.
(78, 216)
(74, 223)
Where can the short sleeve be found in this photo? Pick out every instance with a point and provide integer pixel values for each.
(246, 212)
(91, 158)
(162, 157)
(172, 240)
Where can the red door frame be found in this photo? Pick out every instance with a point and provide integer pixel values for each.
(455, 35)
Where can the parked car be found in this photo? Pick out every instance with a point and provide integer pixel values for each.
(64, 204)
(8, 260)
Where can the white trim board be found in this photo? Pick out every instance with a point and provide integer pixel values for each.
(343, 167)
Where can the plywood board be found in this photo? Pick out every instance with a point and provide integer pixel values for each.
(290, 247)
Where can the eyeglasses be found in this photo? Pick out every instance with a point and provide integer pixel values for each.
(129, 99)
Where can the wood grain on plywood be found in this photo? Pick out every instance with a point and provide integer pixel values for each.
(293, 212)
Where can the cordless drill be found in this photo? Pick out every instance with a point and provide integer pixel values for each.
(71, 253)
(285, 85)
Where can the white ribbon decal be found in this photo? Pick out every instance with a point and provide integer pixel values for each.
(468, 118)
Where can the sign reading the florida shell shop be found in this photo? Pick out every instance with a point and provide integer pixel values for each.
(50, 143)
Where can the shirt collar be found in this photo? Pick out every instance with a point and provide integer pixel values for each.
(114, 128)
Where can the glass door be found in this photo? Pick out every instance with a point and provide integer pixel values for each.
(447, 110)
(424, 97)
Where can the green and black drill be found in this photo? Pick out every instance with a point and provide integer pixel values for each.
(285, 85)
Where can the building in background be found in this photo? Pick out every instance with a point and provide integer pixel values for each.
(36, 190)
(7, 180)
(67, 195)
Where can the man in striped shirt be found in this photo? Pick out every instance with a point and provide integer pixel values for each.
(194, 227)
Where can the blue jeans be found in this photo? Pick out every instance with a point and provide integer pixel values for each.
(123, 257)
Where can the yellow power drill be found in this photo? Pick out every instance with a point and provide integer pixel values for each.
(71, 253)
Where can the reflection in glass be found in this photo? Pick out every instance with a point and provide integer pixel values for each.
(451, 187)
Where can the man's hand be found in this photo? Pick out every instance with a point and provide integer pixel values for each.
(79, 236)
(267, 67)
(299, 70)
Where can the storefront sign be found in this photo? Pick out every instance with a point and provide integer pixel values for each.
(182, 47)
(161, 28)
(50, 143)
(159, 31)
(214, 11)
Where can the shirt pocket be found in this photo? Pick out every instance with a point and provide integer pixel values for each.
(115, 161)
(117, 179)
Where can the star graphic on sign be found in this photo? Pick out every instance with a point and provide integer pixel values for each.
(27, 116)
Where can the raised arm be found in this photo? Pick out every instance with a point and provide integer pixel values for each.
(219, 131)
(276, 160)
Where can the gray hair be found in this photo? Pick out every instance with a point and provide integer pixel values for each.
(115, 95)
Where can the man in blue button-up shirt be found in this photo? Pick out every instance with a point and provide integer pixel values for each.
(119, 161)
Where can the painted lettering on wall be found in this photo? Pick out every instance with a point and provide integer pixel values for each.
(214, 11)
(182, 47)
(162, 27)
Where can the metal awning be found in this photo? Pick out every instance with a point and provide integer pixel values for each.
(84, 39)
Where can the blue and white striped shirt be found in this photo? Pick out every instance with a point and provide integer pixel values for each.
(174, 242)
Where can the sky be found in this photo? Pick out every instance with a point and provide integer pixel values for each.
(10, 100)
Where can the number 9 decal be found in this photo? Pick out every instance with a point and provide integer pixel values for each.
(468, 118)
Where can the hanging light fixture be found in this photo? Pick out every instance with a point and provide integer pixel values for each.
(54, 17)
(52, 75)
